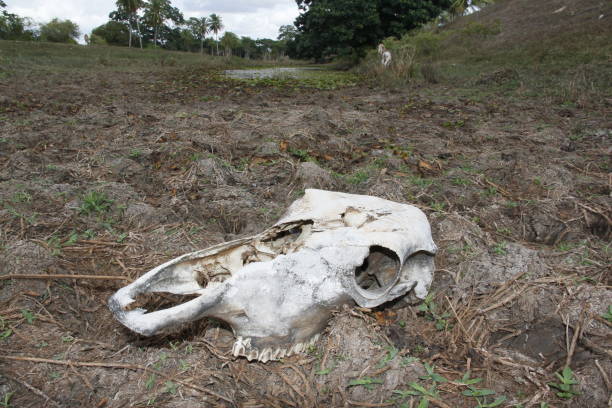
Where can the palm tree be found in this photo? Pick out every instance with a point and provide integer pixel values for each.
(216, 25)
(156, 14)
(199, 27)
(131, 7)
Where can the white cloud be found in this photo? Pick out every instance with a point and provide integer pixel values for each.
(255, 18)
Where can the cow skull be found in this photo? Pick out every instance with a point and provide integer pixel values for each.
(278, 289)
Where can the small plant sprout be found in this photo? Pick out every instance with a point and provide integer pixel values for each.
(496, 403)
(170, 387)
(6, 399)
(432, 375)
(391, 353)
(500, 248)
(28, 316)
(608, 315)
(466, 380)
(366, 382)
(417, 390)
(95, 202)
(430, 309)
(150, 382)
(565, 387)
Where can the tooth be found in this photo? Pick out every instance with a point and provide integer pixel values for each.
(282, 352)
(264, 357)
(253, 354)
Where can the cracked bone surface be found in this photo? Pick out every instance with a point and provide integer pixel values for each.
(278, 289)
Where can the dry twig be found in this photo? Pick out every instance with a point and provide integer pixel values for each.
(64, 276)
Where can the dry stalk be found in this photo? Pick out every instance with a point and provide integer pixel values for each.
(64, 276)
(33, 389)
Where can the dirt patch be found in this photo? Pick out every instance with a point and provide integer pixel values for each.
(124, 177)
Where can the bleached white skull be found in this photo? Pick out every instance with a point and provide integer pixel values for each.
(278, 289)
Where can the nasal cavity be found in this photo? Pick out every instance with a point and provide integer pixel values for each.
(378, 270)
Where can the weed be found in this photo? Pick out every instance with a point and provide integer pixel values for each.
(150, 382)
(68, 339)
(367, 382)
(501, 248)
(95, 202)
(430, 309)
(477, 392)
(408, 360)
(466, 380)
(28, 316)
(170, 387)
(608, 315)
(438, 206)
(6, 399)
(358, 177)
(497, 402)
(184, 365)
(134, 154)
(432, 375)
(21, 197)
(565, 387)
(420, 182)
(301, 154)
(565, 246)
(5, 331)
(391, 353)
(458, 181)
(418, 390)
(325, 371)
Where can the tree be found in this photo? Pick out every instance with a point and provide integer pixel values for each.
(157, 12)
(347, 27)
(63, 31)
(127, 10)
(199, 27)
(229, 42)
(13, 27)
(249, 47)
(287, 33)
(113, 33)
(216, 25)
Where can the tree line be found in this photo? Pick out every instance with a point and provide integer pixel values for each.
(150, 24)
(324, 29)
(328, 29)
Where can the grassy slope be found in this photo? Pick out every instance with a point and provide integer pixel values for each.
(522, 48)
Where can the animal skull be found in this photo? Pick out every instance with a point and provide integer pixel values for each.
(278, 289)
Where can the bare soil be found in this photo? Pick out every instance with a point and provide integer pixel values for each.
(517, 192)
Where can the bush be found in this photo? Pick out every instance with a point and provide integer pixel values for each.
(96, 40)
(61, 31)
(113, 33)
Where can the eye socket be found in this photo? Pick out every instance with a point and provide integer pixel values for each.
(378, 271)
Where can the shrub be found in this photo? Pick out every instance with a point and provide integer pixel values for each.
(62, 31)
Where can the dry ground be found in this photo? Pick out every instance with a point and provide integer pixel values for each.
(111, 173)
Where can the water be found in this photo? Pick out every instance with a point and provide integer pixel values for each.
(262, 73)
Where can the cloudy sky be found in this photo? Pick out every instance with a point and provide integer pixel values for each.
(253, 18)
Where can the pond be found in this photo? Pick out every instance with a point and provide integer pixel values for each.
(277, 72)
